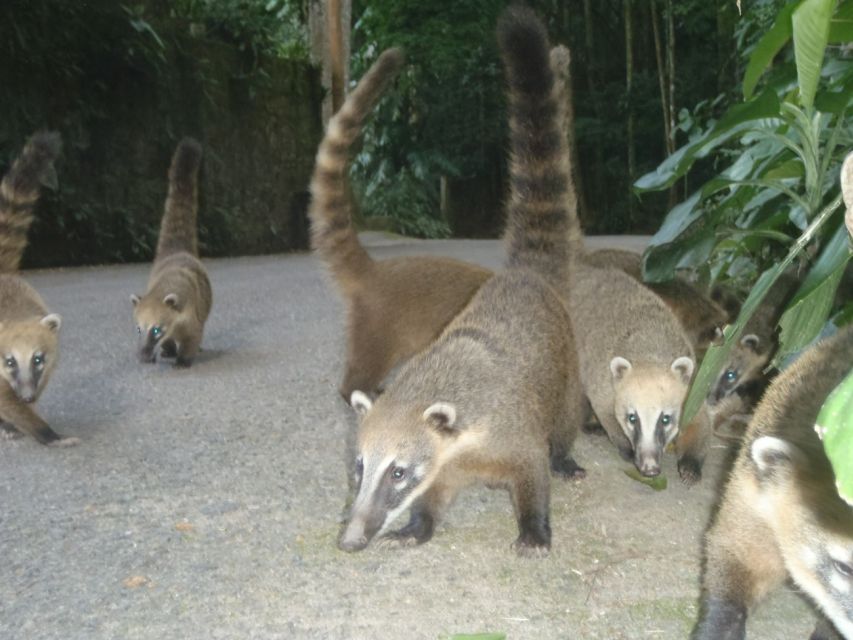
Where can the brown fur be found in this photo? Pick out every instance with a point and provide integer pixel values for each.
(497, 395)
(621, 319)
(700, 316)
(170, 316)
(395, 307)
(29, 345)
(781, 514)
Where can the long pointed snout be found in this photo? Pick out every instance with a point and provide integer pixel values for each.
(648, 463)
(354, 537)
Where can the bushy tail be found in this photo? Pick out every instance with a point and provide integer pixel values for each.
(332, 233)
(19, 193)
(542, 229)
(178, 230)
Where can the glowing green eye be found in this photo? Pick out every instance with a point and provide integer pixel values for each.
(665, 419)
(156, 331)
(632, 418)
(38, 360)
(398, 473)
(10, 362)
(731, 375)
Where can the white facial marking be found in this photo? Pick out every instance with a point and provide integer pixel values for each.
(360, 402)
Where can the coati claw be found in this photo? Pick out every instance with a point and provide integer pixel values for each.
(690, 470)
(527, 545)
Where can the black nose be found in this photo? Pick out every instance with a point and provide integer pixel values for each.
(28, 398)
(650, 472)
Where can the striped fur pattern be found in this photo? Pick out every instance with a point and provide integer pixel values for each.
(19, 193)
(179, 227)
(332, 234)
(542, 226)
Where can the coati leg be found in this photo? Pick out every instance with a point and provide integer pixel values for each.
(739, 570)
(24, 419)
(824, 630)
(187, 350)
(426, 511)
(8, 431)
(370, 355)
(530, 493)
(169, 349)
(561, 440)
(690, 445)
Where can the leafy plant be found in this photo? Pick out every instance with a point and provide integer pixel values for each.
(778, 195)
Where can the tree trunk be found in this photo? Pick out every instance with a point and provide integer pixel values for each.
(670, 59)
(662, 83)
(592, 75)
(629, 95)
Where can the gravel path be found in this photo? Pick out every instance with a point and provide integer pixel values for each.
(205, 503)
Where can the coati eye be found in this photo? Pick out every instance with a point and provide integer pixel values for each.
(398, 473)
(38, 360)
(10, 362)
(843, 568)
(665, 419)
(633, 418)
(156, 331)
(731, 375)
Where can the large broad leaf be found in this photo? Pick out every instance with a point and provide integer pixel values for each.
(835, 427)
(809, 309)
(736, 120)
(841, 27)
(810, 22)
(767, 48)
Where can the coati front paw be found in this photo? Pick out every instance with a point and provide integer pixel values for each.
(64, 442)
(419, 530)
(690, 470)
(169, 349)
(566, 467)
(8, 432)
(183, 363)
(531, 544)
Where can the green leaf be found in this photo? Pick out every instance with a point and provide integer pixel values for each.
(841, 26)
(737, 119)
(809, 309)
(810, 22)
(658, 483)
(767, 48)
(835, 427)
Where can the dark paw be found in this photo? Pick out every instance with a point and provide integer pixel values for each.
(567, 468)
(690, 470)
(183, 363)
(532, 545)
(169, 350)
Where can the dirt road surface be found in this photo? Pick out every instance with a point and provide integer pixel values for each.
(205, 503)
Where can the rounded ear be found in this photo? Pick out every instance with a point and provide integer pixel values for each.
(751, 341)
(171, 300)
(773, 454)
(361, 402)
(52, 321)
(134, 299)
(441, 416)
(683, 368)
(619, 367)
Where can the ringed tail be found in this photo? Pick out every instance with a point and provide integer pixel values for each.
(542, 229)
(332, 234)
(178, 230)
(19, 192)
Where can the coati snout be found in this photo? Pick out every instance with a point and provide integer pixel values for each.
(398, 459)
(647, 404)
(155, 320)
(28, 351)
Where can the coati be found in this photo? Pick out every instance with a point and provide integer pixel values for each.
(29, 333)
(700, 316)
(744, 373)
(636, 364)
(395, 307)
(780, 514)
(170, 316)
(496, 397)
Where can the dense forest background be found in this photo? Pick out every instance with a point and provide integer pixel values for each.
(124, 81)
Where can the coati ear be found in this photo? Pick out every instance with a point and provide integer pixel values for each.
(683, 368)
(442, 416)
(751, 341)
(134, 299)
(773, 454)
(361, 402)
(171, 300)
(52, 321)
(619, 367)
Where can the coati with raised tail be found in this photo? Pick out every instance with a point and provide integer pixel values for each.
(496, 398)
(700, 316)
(395, 307)
(781, 516)
(29, 333)
(170, 316)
